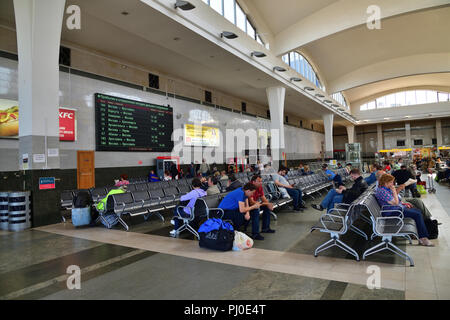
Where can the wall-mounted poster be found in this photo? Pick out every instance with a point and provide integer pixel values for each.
(201, 136)
(9, 119)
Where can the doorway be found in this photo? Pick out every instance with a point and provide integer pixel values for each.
(85, 169)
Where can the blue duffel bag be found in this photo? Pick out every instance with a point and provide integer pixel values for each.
(81, 216)
(216, 234)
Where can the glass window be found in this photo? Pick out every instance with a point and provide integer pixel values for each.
(258, 38)
(216, 5)
(390, 101)
(432, 96)
(363, 107)
(286, 58)
(206, 1)
(443, 96)
(371, 105)
(228, 10)
(400, 98)
(381, 103)
(421, 96)
(250, 30)
(410, 98)
(291, 59)
(241, 19)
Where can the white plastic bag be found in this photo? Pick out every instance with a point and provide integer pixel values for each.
(241, 241)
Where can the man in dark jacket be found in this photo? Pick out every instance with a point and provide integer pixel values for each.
(402, 176)
(342, 194)
(234, 183)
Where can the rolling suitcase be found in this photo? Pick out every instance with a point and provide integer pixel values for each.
(431, 188)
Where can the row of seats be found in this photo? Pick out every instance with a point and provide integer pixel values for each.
(366, 208)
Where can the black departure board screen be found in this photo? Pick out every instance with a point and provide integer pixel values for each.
(129, 125)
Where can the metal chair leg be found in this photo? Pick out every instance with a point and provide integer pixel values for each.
(273, 215)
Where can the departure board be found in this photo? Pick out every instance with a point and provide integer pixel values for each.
(129, 125)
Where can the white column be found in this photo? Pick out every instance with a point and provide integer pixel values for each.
(408, 143)
(328, 125)
(38, 25)
(380, 145)
(275, 97)
(439, 133)
(351, 134)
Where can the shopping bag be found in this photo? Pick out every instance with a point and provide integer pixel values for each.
(421, 189)
(241, 241)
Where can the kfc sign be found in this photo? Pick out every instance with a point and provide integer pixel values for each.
(66, 125)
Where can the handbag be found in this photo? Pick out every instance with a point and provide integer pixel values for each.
(421, 189)
(432, 228)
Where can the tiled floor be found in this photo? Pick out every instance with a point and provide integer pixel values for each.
(147, 264)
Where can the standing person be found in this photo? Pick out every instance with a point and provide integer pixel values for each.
(267, 207)
(342, 194)
(174, 171)
(285, 187)
(197, 192)
(204, 168)
(236, 207)
(386, 195)
(260, 166)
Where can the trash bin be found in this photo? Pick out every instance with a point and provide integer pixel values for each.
(19, 217)
(4, 211)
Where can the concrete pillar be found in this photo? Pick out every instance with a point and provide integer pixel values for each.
(380, 144)
(38, 25)
(439, 139)
(408, 142)
(275, 97)
(351, 134)
(328, 125)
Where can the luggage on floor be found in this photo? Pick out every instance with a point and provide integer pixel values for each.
(421, 189)
(432, 227)
(216, 234)
(81, 216)
(241, 241)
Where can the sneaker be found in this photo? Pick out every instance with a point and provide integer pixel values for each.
(257, 237)
(317, 207)
(268, 231)
(173, 233)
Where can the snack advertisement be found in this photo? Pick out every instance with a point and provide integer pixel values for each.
(9, 119)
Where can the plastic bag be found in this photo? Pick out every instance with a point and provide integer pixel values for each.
(421, 189)
(241, 241)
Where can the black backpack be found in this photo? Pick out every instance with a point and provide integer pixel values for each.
(432, 227)
(82, 200)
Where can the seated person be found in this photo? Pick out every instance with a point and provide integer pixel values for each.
(301, 168)
(342, 194)
(197, 192)
(267, 207)
(233, 183)
(386, 195)
(402, 176)
(223, 175)
(152, 177)
(212, 186)
(339, 165)
(167, 176)
(387, 166)
(235, 205)
(373, 175)
(123, 180)
(332, 176)
(284, 186)
(307, 171)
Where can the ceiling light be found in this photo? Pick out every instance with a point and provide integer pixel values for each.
(327, 101)
(341, 109)
(184, 5)
(295, 79)
(309, 88)
(124, 13)
(280, 69)
(320, 95)
(335, 105)
(407, 116)
(228, 35)
(387, 118)
(258, 54)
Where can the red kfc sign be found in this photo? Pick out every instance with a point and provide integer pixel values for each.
(66, 125)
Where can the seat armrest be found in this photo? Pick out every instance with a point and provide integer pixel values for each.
(330, 216)
(400, 223)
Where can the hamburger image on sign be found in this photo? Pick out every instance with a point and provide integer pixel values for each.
(9, 121)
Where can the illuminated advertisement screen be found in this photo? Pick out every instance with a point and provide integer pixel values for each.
(201, 136)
